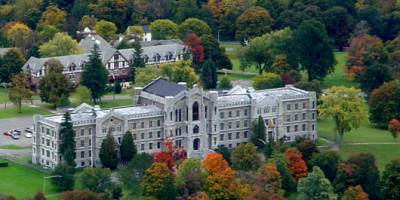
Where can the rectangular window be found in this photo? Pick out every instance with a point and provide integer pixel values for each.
(158, 145)
(142, 147)
(304, 116)
(296, 106)
(90, 131)
(288, 107)
(230, 114)
(158, 122)
(245, 134)
(82, 143)
(296, 117)
(150, 146)
(237, 113)
(229, 125)
(82, 154)
(221, 137)
(142, 136)
(90, 142)
(303, 127)
(296, 128)
(221, 115)
(90, 153)
(245, 112)
(313, 127)
(237, 124)
(304, 105)
(313, 116)
(205, 111)
(288, 129)
(229, 136)
(134, 136)
(313, 104)
(141, 124)
(119, 140)
(82, 132)
(245, 123)
(221, 126)
(150, 134)
(158, 134)
(133, 125)
(230, 146)
(150, 123)
(237, 135)
(104, 130)
(288, 118)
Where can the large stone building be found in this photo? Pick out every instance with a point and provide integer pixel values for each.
(115, 60)
(192, 118)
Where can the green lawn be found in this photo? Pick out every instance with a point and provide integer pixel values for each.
(22, 182)
(338, 77)
(14, 147)
(3, 95)
(26, 111)
(116, 103)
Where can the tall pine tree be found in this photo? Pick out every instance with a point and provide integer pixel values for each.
(137, 59)
(108, 152)
(67, 146)
(209, 74)
(94, 75)
(128, 148)
(258, 132)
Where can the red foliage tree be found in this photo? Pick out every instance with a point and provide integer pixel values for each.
(297, 166)
(358, 46)
(193, 41)
(170, 155)
(394, 127)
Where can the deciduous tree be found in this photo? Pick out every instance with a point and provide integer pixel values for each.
(190, 177)
(312, 48)
(315, 186)
(20, 36)
(282, 164)
(193, 41)
(10, 64)
(212, 50)
(394, 127)
(269, 179)
(106, 29)
(95, 179)
(354, 193)
(61, 45)
(391, 180)
(54, 85)
(384, 103)
(253, 22)
(20, 90)
(163, 29)
(52, 16)
(307, 148)
(328, 162)
(108, 152)
(83, 94)
(194, 26)
(297, 166)
(245, 157)
(132, 174)
(345, 107)
(339, 24)
(158, 182)
(180, 71)
(266, 81)
(224, 83)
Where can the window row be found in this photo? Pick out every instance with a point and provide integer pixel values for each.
(231, 136)
(295, 128)
(150, 124)
(232, 125)
(295, 117)
(230, 114)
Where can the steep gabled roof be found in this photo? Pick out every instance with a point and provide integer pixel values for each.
(163, 87)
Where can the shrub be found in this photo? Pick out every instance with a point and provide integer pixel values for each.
(266, 81)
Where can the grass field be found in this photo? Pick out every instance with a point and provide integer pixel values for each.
(338, 76)
(116, 103)
(22, 182)
(14, 147)
(26, 111)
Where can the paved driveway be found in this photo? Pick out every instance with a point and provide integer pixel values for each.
(15, 123)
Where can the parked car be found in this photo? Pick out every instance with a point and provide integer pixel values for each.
(28, 129)
(28, 135)
(7, 133)
(15, 131)
(15, 136)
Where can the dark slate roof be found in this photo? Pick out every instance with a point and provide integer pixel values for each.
(163, 87)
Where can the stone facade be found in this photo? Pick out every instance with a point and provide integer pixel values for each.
(192, 118)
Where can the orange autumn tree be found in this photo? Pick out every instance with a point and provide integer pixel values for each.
(268, 183)
(297, 166)
(170, 155)
(394, 127)
(220, 180)
(158, 182)
(355, 193)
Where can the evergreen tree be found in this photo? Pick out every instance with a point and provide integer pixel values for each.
(209, 74)
(137, 59)
(315, 187)
(258, 132)
(128, 148)
(94, 75)
(108, 154)
(67, 146)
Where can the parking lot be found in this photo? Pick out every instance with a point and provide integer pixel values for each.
(15, 123)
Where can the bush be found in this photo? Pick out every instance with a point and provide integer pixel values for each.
(266, 81)
(224, 83)
(313, 85)
(3, 164)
